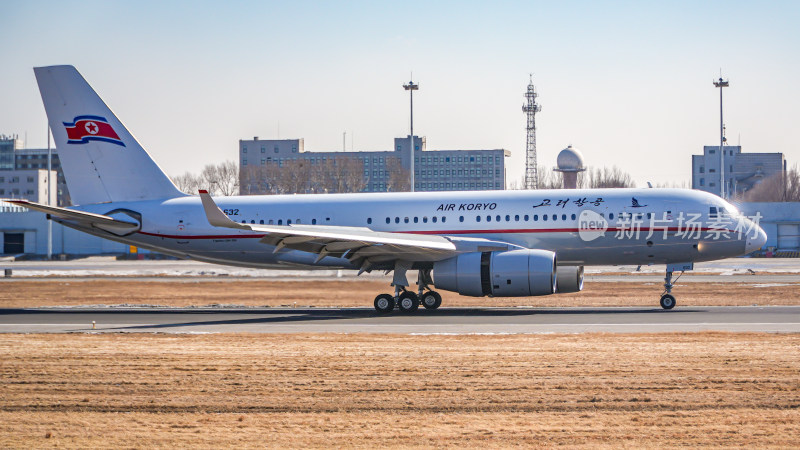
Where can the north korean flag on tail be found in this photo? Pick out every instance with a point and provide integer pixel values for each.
(91, 128)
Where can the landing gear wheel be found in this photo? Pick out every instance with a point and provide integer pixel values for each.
(384, 303)
(431, 300)
(667, 301)
(408, 302)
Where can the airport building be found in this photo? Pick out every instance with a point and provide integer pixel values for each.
(23, 175)
(434, 170)
(23, 231)
(781, 222)
(28, 184)
(742, 170)
(18, 163)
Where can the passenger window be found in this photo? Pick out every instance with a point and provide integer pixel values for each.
(369, 220)
(526, 218)
(396, 220)
(544, 217)
(498, 218)
(424, 219)
(289, 222)
(649, 215)
(573, 217)
(516, 218)
(433, 219)
(405, 220)
(477, 218)
(488, 218)
(461, 218)
(270, 221)
(416, 219)
(444, 219)
(555, 216)
(610, 216)
(314, 221)
(388, 220)
(535, 217)
(563, 217)
(280, 221)
(261, 221)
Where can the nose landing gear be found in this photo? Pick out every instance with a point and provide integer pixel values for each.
(667, 299)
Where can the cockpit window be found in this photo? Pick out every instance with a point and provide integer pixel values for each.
(721, 212)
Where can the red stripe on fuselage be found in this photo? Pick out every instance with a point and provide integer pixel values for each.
(444, 232)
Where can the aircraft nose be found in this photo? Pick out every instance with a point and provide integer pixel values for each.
(755, 240)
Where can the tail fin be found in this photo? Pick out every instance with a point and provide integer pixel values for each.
(102, 161)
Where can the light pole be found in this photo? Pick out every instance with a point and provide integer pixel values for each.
(49, 193)
(721, 84)
(411, 87)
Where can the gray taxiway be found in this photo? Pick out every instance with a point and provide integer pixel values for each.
(363, 320)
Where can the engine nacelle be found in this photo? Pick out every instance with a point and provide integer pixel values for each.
(516, 273)
(570, 279)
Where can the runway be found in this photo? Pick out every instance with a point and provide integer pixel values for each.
(783, 319)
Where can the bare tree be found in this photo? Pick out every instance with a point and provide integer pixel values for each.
(352, 172)
(791, 191)
(399, 176)
(550, 179)
(777, 188)
(609, 178)
(295, 176)
(304, 176)
(219, 179)
(222, 178)
(597, 178)
(673, 184)
(516, 185)
(188, 183)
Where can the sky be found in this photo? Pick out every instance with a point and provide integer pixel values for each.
(629, 83)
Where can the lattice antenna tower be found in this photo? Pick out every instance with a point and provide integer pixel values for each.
(531, 108)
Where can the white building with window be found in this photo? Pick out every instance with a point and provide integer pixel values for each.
(29, 185)
(434, 170)
(742, 170)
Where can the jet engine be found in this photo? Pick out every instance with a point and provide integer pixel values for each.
(515, 273)
(570, 279)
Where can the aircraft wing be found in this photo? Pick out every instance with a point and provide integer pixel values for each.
(106, 223)
(364, 247)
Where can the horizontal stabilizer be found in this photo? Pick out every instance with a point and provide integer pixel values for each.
(107, 223)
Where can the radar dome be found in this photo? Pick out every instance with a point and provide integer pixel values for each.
(570, 160)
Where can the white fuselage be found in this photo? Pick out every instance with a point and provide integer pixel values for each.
(541, 219)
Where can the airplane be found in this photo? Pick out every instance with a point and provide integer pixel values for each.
(477, 243)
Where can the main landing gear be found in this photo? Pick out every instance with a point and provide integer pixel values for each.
(667, 299)
(408, 301)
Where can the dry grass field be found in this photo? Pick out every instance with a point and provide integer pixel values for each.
(361, 292)
(367, 391)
